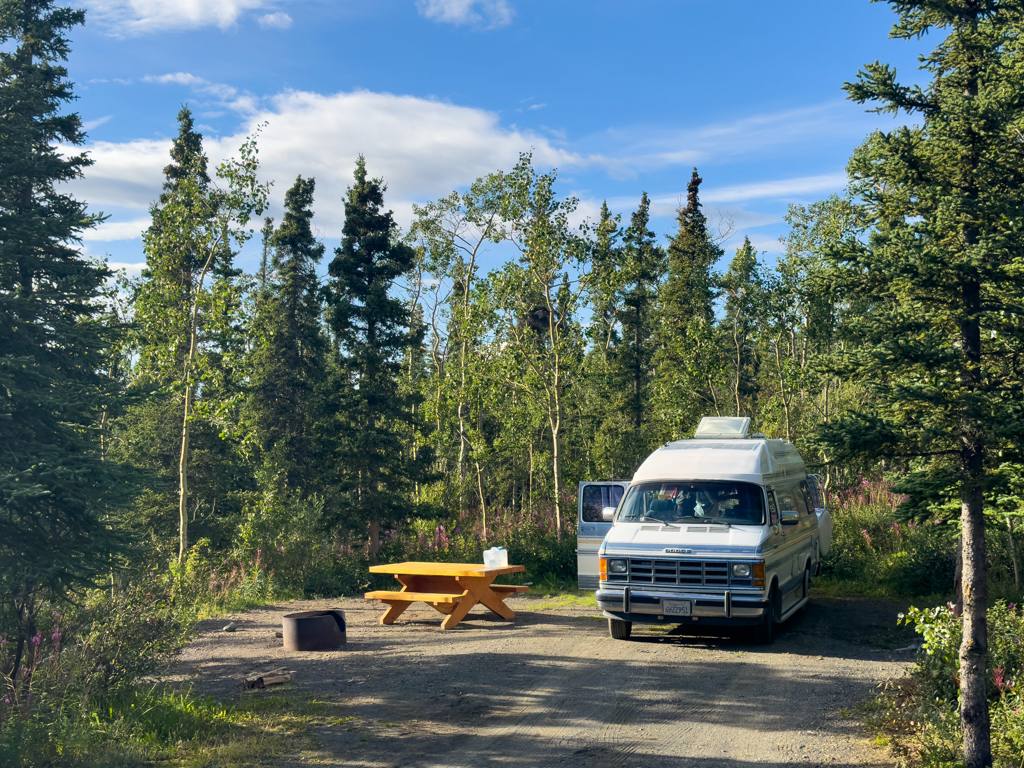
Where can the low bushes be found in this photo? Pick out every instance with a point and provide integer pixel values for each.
(874, 554)
(919, 716)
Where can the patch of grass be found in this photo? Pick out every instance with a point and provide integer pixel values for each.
(539, 599)
(172, 727)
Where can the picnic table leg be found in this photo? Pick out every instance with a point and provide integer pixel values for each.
(459, 611)
(394, 610)
(496, 604)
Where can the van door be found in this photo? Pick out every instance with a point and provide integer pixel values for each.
(591, 526)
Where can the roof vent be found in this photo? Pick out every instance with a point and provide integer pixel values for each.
(718, 427)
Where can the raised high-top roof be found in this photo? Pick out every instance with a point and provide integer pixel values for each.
(753, 460)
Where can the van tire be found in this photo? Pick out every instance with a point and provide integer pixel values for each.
(764, 633)
(619, 629)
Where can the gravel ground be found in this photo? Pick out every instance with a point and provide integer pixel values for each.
(552, 689)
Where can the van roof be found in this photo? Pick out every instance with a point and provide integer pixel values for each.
(752, 460)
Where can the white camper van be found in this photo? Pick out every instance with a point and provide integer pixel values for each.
(719, 530)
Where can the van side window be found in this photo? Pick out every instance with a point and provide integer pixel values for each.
(596, 498)
(817, 492)
(773, 511)
(808, 499)
(785, 498)
(800, 501)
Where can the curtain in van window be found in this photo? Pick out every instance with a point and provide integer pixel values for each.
(596, 498)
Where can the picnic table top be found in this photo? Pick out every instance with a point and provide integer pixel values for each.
(444, 569)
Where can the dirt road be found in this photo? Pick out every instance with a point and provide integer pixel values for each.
(552, 689)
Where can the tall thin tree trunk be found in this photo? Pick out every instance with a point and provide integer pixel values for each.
(782, 386)
(185, 422)
(483, 501)
(529, 500)
(1013, 553)
(974, 714)
(739, 359)
(183, 476)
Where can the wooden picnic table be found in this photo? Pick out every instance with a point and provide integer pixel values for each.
(450, 588)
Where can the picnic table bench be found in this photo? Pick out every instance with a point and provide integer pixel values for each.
(449, 588)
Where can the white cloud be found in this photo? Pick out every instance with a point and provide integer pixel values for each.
(133, 268)
(537, 106)
(487, 13)
(89, 125)
(134, 17)
(421, 148)
(242, 102)
(109, 231)
(788, 189)
(279, 20)
(643, 148)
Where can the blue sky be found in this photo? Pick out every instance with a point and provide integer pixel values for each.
(621, 97)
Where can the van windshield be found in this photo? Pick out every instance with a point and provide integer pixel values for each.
(712, 501)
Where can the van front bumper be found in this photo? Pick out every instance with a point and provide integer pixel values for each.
(646, 605)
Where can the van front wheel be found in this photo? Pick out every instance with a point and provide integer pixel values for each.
(765, 632)
(619, 629)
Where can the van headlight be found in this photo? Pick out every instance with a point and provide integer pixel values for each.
(741, 570)
(617, 566)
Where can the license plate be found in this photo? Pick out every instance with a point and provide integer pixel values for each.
(677, 607)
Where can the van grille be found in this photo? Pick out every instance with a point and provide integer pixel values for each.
(683, 573)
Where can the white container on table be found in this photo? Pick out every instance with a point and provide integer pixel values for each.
(496, 557)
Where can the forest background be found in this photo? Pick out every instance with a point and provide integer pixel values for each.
(201, 439)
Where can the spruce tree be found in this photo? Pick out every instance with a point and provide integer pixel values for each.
(56, 492)
(372, 329)
(943, 291)
(641, 266)
(687, 352)
(289, 357)
(743, 289)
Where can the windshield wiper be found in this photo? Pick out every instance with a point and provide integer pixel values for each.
(664, 524)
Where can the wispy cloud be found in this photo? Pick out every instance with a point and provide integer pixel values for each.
(89, 125)
(136, 17)
(110, 231)
(785, 189)
(279, 20)
(631, 150)
(242, 102)
(484, 13)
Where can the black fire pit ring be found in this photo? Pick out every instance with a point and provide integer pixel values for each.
(314, 631)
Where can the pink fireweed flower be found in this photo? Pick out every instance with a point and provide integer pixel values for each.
(999, 678)
(896, 528)
(55, 636)
(281, 548)
(37, 640)
(56, 615)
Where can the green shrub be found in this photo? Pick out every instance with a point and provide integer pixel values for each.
(873, 553)
(921, 715)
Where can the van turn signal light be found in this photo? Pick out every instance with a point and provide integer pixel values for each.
(758, 574)
(604, 570)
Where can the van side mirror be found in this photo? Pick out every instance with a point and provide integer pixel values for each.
(608, 514)
(790, 517)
